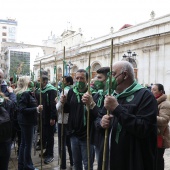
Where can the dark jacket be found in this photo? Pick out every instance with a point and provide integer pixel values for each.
(77, 121)
(49, 106)
(133, 142)
(27, 108)
(12, 98)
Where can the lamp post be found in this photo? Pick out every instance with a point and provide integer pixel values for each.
(130, 57)
(69, 67)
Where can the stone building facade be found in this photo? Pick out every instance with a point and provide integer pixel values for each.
(150, 40)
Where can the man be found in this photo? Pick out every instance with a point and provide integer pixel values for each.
(78, 121)
(5, 146)
(63, 119)
(133, 111)
(97, 132)
(49, 94)
(7, 90)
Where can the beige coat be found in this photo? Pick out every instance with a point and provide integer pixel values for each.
(163, 119)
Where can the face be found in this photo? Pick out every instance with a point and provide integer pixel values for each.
(81, 77)
(44, 83)
(101, 77)
(156, 91)
(118, 74)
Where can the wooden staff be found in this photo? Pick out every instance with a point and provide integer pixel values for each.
(109, 93)
(88, 117)
(62, 125)
(41, 116)
(57, 97)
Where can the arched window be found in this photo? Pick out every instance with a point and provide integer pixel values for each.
(95, 67)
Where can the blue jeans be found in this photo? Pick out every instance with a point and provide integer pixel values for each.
(25, 160)
(5, 151)
(79, 151)
(65, 141)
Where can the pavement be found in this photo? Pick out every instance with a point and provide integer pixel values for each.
(13, 164)
(55, 164)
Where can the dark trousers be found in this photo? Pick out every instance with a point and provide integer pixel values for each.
(5, 150)
(48, 138)
(65, 141)
(25, 160)
(160, 158)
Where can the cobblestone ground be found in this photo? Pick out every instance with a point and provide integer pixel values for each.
(54, 165)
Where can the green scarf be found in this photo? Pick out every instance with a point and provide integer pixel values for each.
(47, 88)
(128, 92)
(101, 93)
(78, 94)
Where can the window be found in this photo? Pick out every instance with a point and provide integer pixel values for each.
(3, 39)
(4, 34)
(4, 27)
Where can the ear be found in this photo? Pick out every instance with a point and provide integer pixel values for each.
(125, 74)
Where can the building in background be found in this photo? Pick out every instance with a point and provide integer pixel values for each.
(145, 45)
(8, 30)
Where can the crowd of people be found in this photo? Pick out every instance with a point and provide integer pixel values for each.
(136, 119)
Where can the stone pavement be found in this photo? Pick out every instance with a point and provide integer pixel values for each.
(54, 165)
(37, 160)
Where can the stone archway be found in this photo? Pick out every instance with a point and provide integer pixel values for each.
(95, 67)
(73, 71)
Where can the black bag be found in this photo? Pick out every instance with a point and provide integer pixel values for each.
(5, 125)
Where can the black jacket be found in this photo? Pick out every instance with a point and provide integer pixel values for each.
(77, 122)
(27, 109)
(134, 146)
(49, 106)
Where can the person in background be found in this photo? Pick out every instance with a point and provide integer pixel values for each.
(97, 132)
(163, 119)
(68, 82)
(27, 118)
(133, 110)
(48, 94)
(6, 107)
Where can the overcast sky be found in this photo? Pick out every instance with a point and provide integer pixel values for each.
(37, 18)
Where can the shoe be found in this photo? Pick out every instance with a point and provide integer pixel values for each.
(48, 159)
(44, 154)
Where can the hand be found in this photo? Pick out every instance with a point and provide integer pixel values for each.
(56, 100)
(52, 122)
(87, 99)
(10, 89)
(105, 122)
(110, 103)
(63, 99)
(40, 108)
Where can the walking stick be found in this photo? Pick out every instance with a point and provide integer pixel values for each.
(62, 125)
(41, 117)
(109, 93)
(88, 117)
(57, 99)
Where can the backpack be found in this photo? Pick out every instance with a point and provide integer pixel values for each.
(5, 123)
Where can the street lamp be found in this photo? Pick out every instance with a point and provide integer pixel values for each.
(69, 66)
(130, 57)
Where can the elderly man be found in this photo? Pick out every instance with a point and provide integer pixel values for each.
(133, 110)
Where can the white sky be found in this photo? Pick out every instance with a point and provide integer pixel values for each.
(37, 18)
